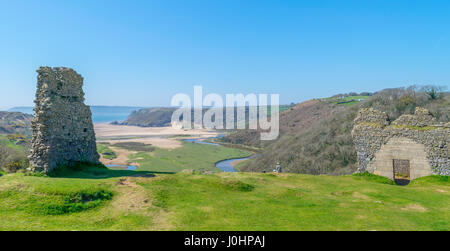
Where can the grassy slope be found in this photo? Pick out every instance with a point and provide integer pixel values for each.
(191, 156)
(225, 201)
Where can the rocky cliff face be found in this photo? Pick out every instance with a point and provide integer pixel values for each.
(63, 132)
(150, 117)
(372, 132)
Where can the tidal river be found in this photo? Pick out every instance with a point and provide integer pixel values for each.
(224, 165)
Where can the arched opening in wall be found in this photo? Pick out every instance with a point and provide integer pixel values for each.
(401, 160)
(402, 171)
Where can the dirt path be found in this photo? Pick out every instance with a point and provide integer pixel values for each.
(132, 198)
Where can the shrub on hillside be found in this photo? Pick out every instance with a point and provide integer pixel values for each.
(12, 160)
(73, 202)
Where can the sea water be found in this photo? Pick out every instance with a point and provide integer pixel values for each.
(100, 114)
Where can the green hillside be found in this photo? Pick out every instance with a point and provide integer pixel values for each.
(316, 135)
(150, 117)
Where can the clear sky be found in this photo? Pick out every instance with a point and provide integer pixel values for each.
(143, 52)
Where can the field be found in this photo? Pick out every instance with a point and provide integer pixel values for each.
(349, 101)
(106, 152)
(194, 156)
(92, 198)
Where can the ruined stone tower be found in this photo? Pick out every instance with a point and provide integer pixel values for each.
(63, 132)
(408, 148)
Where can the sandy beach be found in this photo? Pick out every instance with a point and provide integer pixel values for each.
(163, 137)
(103, 130)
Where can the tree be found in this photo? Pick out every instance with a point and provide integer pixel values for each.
(433, 91)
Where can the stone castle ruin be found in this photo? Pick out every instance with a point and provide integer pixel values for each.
(63, 132)
(410, 147)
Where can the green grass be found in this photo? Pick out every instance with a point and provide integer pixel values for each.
(199, 157)
(106, 152)
(95, 198)
(301, 202)
(374, 178)
(92, 171)
(436, 179)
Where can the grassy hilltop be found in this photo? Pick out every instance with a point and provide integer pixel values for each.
(92, 198)
(180, 189)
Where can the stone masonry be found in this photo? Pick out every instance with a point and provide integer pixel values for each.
(63, 133)
(417, 138)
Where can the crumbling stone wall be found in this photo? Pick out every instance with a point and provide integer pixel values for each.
(418, 138)
(63, 132)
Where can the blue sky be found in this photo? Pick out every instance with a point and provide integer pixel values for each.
(143, 52)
